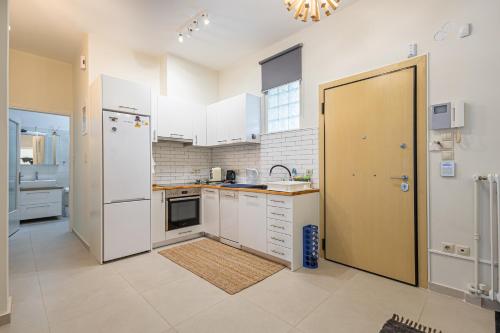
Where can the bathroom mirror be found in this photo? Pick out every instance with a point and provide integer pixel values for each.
(38, 148)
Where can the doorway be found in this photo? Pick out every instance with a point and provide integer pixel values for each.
(39, 169)
(373, 134)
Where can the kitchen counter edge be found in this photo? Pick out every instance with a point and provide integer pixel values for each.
(216, 187)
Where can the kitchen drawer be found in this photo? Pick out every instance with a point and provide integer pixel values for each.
(279, 239)
(279, 201)
(40, 197)
(37, 211)
(279, 213)
(279, 252)
(283, 227)
(173, 234)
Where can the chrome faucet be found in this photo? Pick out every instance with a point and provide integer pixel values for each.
(281, 166)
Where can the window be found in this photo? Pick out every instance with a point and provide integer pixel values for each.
(283, 107)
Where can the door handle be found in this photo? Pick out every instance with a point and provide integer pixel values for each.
(403, 177)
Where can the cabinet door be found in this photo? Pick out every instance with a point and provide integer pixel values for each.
(252, 221)
(236, 111)
(211, 125)
(158, 216)
(125, 96)
(210, 211)
(223, 123)
(229, 215)
(154, 118)
(174, 118)
(199, 121)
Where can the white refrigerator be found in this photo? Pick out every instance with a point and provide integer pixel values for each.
(126, 184)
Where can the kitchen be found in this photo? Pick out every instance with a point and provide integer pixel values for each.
(238, 170)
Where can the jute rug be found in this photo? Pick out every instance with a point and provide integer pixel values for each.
(398, 324)
(225, 267)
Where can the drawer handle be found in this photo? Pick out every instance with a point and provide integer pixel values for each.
(278, 252)
(277, 226)
(250, 196)
(277, 214)
(174, 134)
(33, 207)
(209, 191)
(35, 193)
(277, 239)
(185, 232)
(127, 107)
(278, 201)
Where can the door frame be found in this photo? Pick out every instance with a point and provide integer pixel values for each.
(16, 210)
(420, 64)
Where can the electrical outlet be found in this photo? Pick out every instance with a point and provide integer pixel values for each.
(447, 136)
(447, 247)
(463, 250)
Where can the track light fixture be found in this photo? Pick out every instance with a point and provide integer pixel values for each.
(193, 25)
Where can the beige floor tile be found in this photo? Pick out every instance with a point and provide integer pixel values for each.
(329, 275)
(286, 295)
(452, 315)
(131, 314)
(25, 287)
(234, 314)
(385, 295)
(182, 299)
(27, 317)
(150, 271)
(81, 296)
(343, 315)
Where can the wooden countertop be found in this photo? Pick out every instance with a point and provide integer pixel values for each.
(218, 187)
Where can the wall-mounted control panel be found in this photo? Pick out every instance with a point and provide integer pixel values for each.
(447, 115)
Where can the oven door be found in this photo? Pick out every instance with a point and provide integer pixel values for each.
(183, 212)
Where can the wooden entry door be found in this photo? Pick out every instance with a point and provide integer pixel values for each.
(369, 175)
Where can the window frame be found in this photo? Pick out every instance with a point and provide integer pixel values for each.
(266, 110)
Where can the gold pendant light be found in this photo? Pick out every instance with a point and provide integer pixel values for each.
(304, 8)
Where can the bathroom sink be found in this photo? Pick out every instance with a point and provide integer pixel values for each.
(288, 186)
(38, 183)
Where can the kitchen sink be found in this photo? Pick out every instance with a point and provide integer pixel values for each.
(262, 187)
(288, 186)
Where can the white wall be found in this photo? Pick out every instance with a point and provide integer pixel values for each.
(80, 180)
(365, 36)
(111, 58)
(187, 80)
(4, 101)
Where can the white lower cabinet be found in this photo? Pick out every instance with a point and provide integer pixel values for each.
(286, 216)
(210, 211)
(229, 223)
(157, 216)
(35, 204)
(252, 221)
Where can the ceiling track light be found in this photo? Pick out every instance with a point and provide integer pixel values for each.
(193, 26)
(303, 9)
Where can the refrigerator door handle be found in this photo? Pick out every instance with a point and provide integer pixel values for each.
(127, 200)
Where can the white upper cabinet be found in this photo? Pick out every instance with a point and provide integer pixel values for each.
(199, 121)
(125, 96)
(212, 125)
(175, 118)
(234, 120)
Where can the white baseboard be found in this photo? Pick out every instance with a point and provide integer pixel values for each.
(81, 238)
(5, 318)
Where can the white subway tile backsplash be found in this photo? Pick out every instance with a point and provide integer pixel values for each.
(295, 149)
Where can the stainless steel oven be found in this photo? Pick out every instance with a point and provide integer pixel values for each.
(182, 208)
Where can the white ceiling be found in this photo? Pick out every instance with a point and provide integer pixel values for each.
(54, 28)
